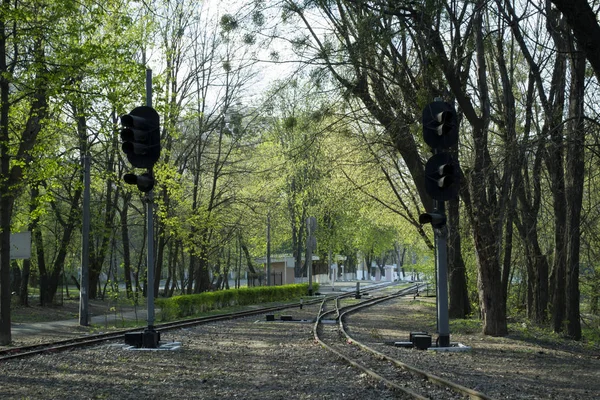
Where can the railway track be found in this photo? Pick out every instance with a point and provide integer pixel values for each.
(253, 357)
(409, 382)
(90, 340)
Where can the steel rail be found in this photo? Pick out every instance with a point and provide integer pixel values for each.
(82, 341)
(349, 360)
(441, 382)
(89, 340)
(472, 394)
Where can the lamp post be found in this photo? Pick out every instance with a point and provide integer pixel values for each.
(269, 248)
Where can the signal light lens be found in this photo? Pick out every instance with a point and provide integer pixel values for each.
(141, 136)
(144, 182)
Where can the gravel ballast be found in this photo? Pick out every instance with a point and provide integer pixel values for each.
(253, 359)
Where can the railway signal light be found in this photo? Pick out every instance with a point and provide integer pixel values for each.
(440, 125)
(141, 144)
(440, 131)
(144, 182)
(442, 177)
(141, 136)
(434, 218)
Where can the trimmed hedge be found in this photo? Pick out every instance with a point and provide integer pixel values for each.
(191, 304)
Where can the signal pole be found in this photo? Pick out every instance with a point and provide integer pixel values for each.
(151, 337)
(311, 245)
(441, 260)
(269, 248)
(141, 144)
(440, 131)
(84, 285)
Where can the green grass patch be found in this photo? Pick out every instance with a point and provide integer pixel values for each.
(592, 336)
(424, 303)
(35, 313)
(465, 326)
(194, 304)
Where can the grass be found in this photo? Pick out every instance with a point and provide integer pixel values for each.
(35, 313)
(65, 308)
(114, 310)
(465, 326)
(523, 330)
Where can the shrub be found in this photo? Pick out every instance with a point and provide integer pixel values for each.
(191, 304)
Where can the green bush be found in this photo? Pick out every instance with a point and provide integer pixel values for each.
(191, 304)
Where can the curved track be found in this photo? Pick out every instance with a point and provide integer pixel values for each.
(408, 381)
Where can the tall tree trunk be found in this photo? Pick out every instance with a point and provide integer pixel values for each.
(584, 22)
(24, 291)
(50, 279)
(170, 269)
(41, 264)
(552, 101)
(125, 240)
(5, 204)
(555, 164)
(459, 305)
(202, 278)
(158, 262)
(574, 188)
(98, 253)
(15, 278)
(33, 224)
(485, 230)
(191, 273)
(10, 177)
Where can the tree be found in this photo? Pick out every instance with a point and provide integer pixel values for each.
(25, 33)
(371, 62)
(583, 20)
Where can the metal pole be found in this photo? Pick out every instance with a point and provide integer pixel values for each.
(150, 260)
(150, 335)
(311, 225)
(85, 246)
(442, 275)
(442, 280)
(435, 273)
(269, 248)
(148, 87)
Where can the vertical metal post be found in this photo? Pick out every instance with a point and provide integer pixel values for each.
(441, 250)
(84, 319)
(333, 275)
(442, 281)
(150, 336)
(331, 265)
(148, 87)
(269, 248)
(150, 223)
(150, 260)
(311, 227)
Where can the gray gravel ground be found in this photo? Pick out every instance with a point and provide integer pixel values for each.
(242, 359)
(501, 367)
(254, 359)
